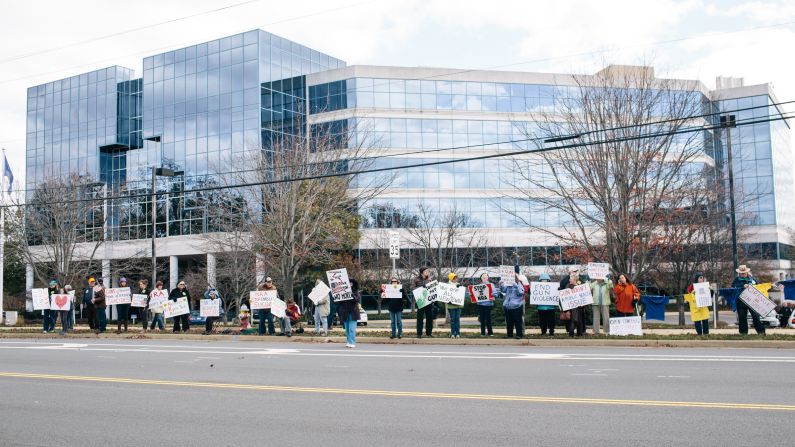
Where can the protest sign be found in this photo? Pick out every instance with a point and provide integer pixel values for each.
(523, 279)
(60, 302)
(158, 300)
(340, 285)
(703, 296)
(450, 293)
(433, 291)
(261, 299)
(507, 275)
(575, 297)
(543, 293)
(480, 293)
(278, 308)
(210, 308)
(119, 295)
(420, 297)
(598, 270)
(757, 301)
(392, 291)
(41, 299)
(176, 308)
(626, 326)
(138, 300)
(319, 292)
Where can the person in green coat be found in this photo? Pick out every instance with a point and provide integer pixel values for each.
(600, 289)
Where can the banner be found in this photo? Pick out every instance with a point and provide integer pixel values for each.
(60, 302)
(340, 285)
(319, 292)
(703, 296)
(576, 297)
(757, 301)
(507, 275)
(176, 308)
(210, 308)
(158, 300)
(543, 294)
(278, 308)
(41, 299)
(598, 270)
(480, 293)
(138, 300)
(449, 293)
(626, 326)
(262, 299)
(392, 291)
(119, 295)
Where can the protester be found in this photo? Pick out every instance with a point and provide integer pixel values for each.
(321, 313)
(513, 305)
(600, 289)
(70, 314)
(63, 314)
(348, 311)
(181, 322)
(98, 299)
(484, 310)
(699, 315)
(454, 310)
(49, 317)
(157, 311)
(546, 312)
(265, 314)
(425, 314)
(293, 315)
(88, 304)
(743, 281)
(212, 294)
(143, 289)
(626, 295)
(576, 317)
(122, 310)
(395, 306)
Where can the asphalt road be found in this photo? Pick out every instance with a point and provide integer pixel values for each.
(160, 392)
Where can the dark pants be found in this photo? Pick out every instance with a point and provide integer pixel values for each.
(91, 315)
(514, 318)
(123, 314)
(425, 314)
(546, 319)
(331, 315)
(64, 314)
(183, 321)
(702, 327)
(265, 314)
(208, 324)
(485, 319)
(742, 319)
(48, 317)
(143, 315)
(577, 322)
(102, 319)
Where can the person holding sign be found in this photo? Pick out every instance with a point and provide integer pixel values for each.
(454, 310)
(143, 289)
(265, 314)
(212, 294)
(348, 312)
(157, 309)
(181, 322)
(322, 311)
(576, 321)
(98, 299)
(88, 304)
(427, 312)
(546, 312)
(600, 289)
(50, 317)
(513, 304)
(395, 307)
(123, 310)
(626, 295)
(743, 281)
(699, 315)
(485, 305)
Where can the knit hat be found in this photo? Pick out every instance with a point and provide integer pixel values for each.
(451, 276)
(53, 283)
(544, 277)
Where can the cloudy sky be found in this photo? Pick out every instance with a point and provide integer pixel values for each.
(694, 39)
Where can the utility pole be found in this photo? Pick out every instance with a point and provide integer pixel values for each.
(727, 122)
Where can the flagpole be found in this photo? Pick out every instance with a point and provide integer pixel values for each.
(2, 237)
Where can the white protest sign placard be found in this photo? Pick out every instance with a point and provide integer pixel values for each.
(449, 293)
(507, 275)
(433, 291)
(480, 293)
(138, 300)
(757, 301)
(543, 294)
(702, 293)
(209, 308)
(394, 245)
(158, 300)
(261, 299)
(176, 308)
(420, 297)
(575, 297)
(392, 291)
(598, 270)
(319, 292)
(41, 299)
(626, 326)
(278, 308)
(340, 285)
(60, 302)
(119, 295)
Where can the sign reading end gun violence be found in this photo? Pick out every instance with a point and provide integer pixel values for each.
(575, 297)
(543, 294)
(340, 285)
(626, 326)
(757, 301)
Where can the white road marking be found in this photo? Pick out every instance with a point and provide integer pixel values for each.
(587, 374)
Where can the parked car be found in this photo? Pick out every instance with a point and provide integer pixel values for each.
(196, 318)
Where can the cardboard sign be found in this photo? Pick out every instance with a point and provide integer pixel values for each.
(575, 297)
(158, 300)
(119, 295)
(757, 301)
(543, 294)
(340, 285)
(420, 297)
(598, 270)
(392, 291)
(41, 299)
(60, 302)
(626, 326)
(176, 308)
(480, 293)
(210, 308)
(319, 292)
(262, 299)
(278, 308)
(138, 300)
(450, 293)
(507, 275)
(703, 297)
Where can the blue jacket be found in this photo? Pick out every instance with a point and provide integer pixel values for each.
(514, 295)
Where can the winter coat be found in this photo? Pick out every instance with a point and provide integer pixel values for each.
(514, 295)
(626, 296)
(176, 293)
(349, 307)
(397, 305)
(601, 289)
(324, 306)
(99, 298)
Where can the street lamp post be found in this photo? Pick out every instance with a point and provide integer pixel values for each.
(162, 172)
(727, 122)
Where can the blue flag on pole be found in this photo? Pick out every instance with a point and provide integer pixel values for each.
(9, 176)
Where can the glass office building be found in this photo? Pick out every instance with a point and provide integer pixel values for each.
(197, 109)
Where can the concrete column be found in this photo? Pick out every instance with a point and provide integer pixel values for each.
(260, 269)
(107, 282)
(211, 269)
(173, 280)
(28, 277)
